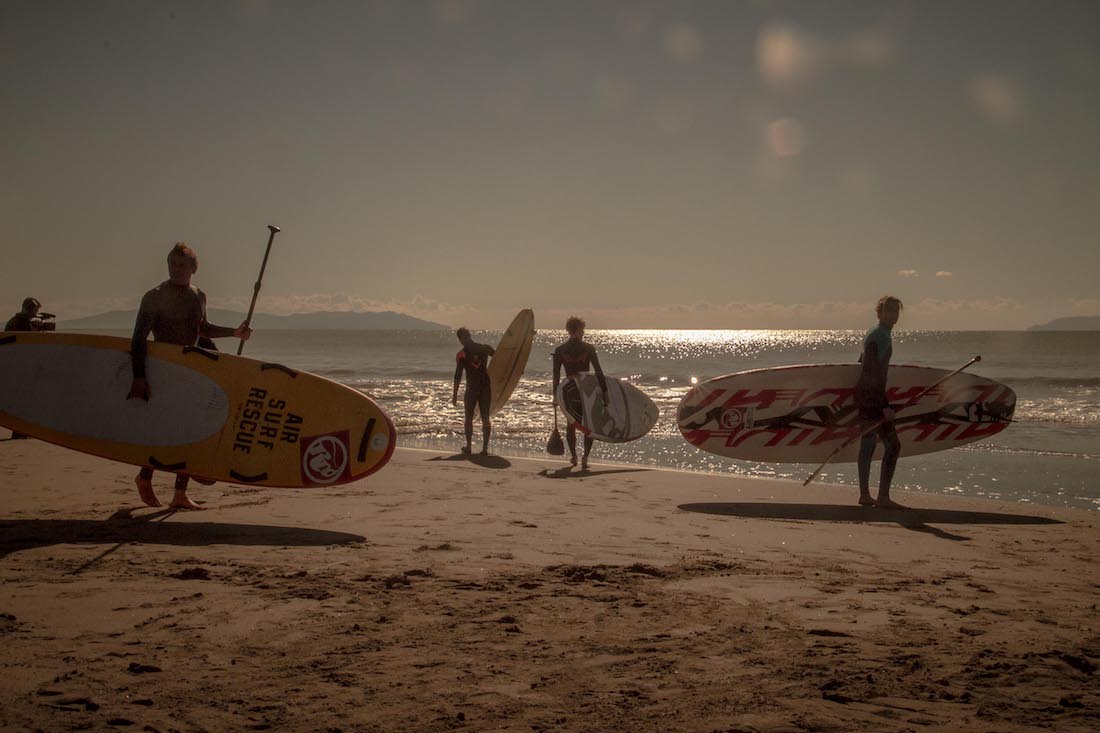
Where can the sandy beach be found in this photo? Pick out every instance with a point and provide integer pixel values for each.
(506, 594)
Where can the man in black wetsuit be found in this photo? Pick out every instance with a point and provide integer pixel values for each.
(576, 356)
(175, 313)
(873, 407)
(473, 359)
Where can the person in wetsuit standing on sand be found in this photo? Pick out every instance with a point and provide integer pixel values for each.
(473, 358)
(871, 402)
(576, 356)
(175, 313)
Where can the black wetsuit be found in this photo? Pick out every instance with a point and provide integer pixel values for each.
(474, 360)
(871, 400)
(576, 357)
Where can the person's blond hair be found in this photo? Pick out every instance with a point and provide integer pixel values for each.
(182, 250)
(888, 300)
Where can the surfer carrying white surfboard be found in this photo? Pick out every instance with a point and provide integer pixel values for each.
(473, 359)
(576, 356)
(175, 313)
(870, 399)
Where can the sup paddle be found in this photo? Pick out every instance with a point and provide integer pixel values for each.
(884, 420)
(554, 445)
(256, 290)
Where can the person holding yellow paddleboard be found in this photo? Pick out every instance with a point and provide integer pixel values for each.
(175, 313)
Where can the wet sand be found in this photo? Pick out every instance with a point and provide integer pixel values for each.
(444, 595)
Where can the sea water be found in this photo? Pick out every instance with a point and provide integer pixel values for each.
(1050, 455)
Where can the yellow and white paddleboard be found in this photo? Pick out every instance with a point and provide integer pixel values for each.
(510, 358)
(210, 414)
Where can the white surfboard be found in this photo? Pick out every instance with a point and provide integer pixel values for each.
(628, 415)
(801, 414)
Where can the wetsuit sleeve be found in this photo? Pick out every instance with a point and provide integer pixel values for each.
(599, 372)
(459, 363)
(143, 326)
(208, 329)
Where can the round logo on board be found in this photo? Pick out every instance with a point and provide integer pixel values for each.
(379, 442)
(730, 419)
(325, 459)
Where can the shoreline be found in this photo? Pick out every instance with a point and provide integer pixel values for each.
(443, 595)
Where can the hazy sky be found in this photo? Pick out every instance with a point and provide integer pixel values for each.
(653, 164)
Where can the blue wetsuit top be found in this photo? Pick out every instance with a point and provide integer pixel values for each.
(878, 347)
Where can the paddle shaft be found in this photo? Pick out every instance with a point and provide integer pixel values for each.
(884, 420)
(259, 280)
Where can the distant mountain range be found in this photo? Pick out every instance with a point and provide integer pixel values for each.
(319, 321)
(1071, 323)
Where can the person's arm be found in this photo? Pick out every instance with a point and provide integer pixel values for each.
(557, 368)
(599, 372)
(143, 326)
(210, 331)
(458, 375)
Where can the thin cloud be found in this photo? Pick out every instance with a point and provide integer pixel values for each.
(908, 273)
(945, 274)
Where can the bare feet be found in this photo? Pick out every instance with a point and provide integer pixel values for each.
(866, 500)
(484, 451)
(180, 500)
(584, 464)
(145, 491)
(573, 461)
(888, 503)
(465, 450)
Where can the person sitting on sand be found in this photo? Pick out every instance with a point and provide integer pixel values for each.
(473, 358)
(175, 313)
(576, 356)
(870, 397)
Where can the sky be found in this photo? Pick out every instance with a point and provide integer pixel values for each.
(754, 164)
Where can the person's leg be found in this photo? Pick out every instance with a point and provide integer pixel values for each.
(144, 481)
(180, 500)
(588, 441)
(889, 461)
(484, 402)
(573, 406)
(866, 453)
(571, 441)
(469, 402)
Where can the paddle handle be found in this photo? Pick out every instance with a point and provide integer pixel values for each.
(259, 280)
(884, 420)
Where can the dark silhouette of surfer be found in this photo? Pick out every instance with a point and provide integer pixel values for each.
(175, 313)
(870, 398)
(473, 359)
(24, 321)
(576, 356)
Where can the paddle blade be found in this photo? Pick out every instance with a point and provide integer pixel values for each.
(555, 446)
